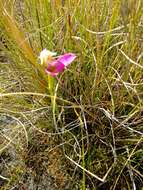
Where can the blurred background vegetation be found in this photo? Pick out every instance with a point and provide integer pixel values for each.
(94, 138)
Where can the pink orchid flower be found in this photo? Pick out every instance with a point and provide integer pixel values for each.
(55, 65)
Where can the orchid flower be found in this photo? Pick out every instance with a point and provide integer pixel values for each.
(55, 65)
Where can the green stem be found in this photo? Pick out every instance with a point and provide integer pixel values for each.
(51, 85)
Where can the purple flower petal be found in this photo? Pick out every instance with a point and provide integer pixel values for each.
(67, 58)
(55, 67)
(58, 65)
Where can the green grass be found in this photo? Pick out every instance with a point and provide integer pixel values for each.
(96, 113)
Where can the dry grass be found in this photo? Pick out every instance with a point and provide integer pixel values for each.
(94, 123)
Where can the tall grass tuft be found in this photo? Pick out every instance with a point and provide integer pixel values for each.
(95, 118)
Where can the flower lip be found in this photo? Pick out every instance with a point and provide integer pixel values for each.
(55, 67)
(46, 52)
(46, 56)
